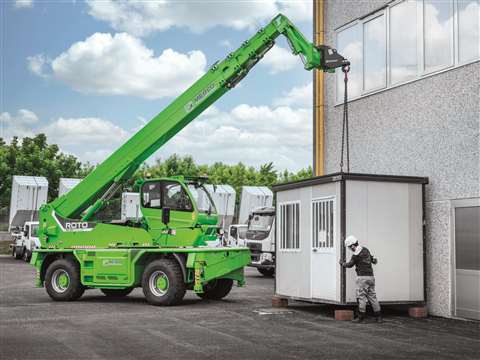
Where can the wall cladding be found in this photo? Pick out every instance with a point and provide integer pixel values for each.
(429, 127)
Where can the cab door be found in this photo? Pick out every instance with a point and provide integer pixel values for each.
(160, 194)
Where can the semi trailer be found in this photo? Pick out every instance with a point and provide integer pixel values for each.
(172, 248)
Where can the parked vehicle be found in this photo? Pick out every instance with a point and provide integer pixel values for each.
(253, 197)
(28, 194)
(259, 236)
(131, 206)
(260, 239)
(25, 241)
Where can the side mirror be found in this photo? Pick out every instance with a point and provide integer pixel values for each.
(166, 215)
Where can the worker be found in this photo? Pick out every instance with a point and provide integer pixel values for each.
(363, 260)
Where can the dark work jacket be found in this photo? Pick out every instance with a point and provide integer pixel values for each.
(363, 263)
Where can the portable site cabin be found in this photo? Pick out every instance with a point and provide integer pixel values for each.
(314, 217)
(223, 197)
(131, 206)
(67, 184)
(253, 197)
(28, 194)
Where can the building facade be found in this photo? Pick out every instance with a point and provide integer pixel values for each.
(414, 110)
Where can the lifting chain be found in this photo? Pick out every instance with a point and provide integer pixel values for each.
(345, 138)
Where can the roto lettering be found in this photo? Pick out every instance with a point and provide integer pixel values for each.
(76, 225)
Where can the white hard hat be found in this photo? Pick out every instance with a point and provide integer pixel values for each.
(350, 240)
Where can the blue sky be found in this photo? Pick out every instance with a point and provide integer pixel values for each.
(90, 73)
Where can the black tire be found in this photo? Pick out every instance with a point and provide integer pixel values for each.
(266, 271)
(216, 289)
(162, 283)
(116, 293)
(17, 255)
(59, 290)
(27, 255)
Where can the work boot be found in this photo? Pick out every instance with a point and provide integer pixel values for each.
(378, 316)
(359, 319)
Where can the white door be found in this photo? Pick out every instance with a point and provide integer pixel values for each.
(467, 258)
(323, 263)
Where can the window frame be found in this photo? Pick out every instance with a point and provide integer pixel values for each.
(421, 72)
(162, 195)
(329, 249)
(365, 21)
(456, 35)
(280, 223)
(438, 68)
(454, 204)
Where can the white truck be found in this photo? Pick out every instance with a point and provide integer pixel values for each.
(257, 231)
(130, 206)
(25, 241)
(223, 197)
(28, 194)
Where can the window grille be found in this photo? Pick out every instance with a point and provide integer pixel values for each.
(323, 216)
(289, 226)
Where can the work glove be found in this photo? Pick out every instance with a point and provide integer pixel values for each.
(342, 263)
(374, 261)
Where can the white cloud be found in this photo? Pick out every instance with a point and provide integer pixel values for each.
(37, 64)
(298, 95)
(23, 4)
(89, 139)
(251, 134)
(144, 17)
(19, 125)
(84, 131)
(279, 59)
(122, 65)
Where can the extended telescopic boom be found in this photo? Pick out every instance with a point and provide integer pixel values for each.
(91, 193)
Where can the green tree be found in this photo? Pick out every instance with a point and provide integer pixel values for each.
(35, 157)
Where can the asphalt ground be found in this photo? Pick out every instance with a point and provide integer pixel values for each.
(243, 326)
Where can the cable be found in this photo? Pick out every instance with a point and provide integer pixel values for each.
(345, 135)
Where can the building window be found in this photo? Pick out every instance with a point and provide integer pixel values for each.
(420, 37)
(403, 42)
(323, 223)
(375, 56)
(438, 34)
(289, 226)
(468, 25)
(349, 44)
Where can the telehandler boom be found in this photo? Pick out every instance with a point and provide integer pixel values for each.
(172, 248)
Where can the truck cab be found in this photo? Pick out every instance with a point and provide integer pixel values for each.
(260, 239)
(25, 241)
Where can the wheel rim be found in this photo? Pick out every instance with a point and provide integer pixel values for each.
(158, 283)
(60, 280)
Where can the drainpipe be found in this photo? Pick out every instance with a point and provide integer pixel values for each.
(318, 93)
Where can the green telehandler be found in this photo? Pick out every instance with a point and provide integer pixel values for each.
(171, 249)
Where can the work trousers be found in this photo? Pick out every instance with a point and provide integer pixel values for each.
(366, 293)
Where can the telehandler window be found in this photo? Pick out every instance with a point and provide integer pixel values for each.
(151, 195)
(175, 197)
